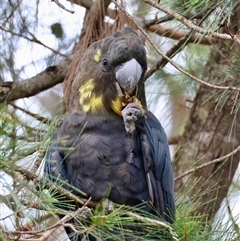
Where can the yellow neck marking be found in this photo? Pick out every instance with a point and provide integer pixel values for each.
(88, 100)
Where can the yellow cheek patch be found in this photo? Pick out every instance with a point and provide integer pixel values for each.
(88, 100)
(118, 104)
(97, 56)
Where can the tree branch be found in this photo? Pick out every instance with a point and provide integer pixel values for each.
(190, 24)
(170, 60)
(170, 53)
(152, 25)
(83, 212)
(167, 18)
(220, 159)
(33, 39)
(50, 77)
(184, 40)
(178, 34)
(50, 185)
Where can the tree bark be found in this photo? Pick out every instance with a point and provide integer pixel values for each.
(212, 130)
(53, 75)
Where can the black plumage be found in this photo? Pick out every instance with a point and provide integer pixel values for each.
(109, 145)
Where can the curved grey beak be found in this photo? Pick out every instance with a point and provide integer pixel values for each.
(129, 75)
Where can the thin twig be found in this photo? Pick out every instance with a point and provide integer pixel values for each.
(62, 6)
(12, 13)
(36, 116)
(154, 222)
(176, 48)
(152, 26)
(170, 60)
(171, 53)
(167, 18)
(29, 176)
(191, 25)
(220, 159)
(52, 186)
(33, 39)
(173, 33)
(84, 211)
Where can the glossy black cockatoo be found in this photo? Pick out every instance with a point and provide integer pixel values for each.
(110, 145)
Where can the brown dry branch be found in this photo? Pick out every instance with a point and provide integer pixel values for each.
(191, 25)
(220, 159)
(156, 20)
(173, 62)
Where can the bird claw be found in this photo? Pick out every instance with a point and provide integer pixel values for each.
(131, 114)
